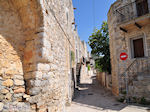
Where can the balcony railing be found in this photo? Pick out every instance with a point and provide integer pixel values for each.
(132, 10)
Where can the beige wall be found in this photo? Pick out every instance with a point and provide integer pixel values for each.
(121, 41)
(36, 38)
(104, 79)
(18, 49)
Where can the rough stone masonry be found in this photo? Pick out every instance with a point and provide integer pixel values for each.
(36, 37)
(123, 15)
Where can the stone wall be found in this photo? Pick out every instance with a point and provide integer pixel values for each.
(104, 79)
(36, 39)
(58, 43)
(121, 41)
(17, 51)
(113, 51)
(81, 51)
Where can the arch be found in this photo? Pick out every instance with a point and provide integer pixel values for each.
(20, 23)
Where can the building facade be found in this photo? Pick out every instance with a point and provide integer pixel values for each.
(37, 44)
(129, 30)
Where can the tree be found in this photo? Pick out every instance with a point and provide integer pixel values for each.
(99, 42)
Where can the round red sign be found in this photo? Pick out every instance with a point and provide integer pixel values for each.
(123, 56)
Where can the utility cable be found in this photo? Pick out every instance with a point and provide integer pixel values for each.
(66, 35)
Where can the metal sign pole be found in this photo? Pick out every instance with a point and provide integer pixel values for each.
(126, 81)
(123, 57)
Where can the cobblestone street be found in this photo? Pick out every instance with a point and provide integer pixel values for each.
(93, 98)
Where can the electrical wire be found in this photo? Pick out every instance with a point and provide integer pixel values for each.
(66, 35)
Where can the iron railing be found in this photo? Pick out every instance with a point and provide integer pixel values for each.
(138, 67)
(132, 10)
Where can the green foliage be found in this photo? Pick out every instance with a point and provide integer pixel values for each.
(89, 67)
(143, 101)
(99, 42)
(72, 56)
(124, 92)
(134, 99)
(122, 99)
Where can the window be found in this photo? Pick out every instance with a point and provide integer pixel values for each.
(137, 49)
(142, 7)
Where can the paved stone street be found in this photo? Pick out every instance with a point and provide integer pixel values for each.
(93, 98)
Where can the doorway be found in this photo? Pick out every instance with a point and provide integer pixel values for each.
(137, 48)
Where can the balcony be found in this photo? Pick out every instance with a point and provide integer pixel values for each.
(132, 11)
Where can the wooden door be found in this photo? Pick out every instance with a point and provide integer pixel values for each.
(138, 48)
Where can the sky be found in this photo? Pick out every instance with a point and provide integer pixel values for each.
(89, 15)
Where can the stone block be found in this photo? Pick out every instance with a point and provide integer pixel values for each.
(7, 76)
(46, 76)
(7, 83)
(43, 109)
(36, 83)
(30, 67)
(54, 67)
(8, 96)
(18, 82)
(38, 75)
(46, 89)
(33, 106)
(26, 96)
(17, 95)
(43, 67)
(29, 75)
(46, 44)
(34, 99)
(44, 55)
(19, 90)
(41, 104)
(140, 78)
(20, 77)
(28, 56)
(2, 97)
(35, 90)
(1, 106)
(4, 91)
(148, 87)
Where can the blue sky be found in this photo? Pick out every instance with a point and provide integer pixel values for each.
(84, 15)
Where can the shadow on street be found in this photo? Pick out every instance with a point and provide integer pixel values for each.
(93, 95)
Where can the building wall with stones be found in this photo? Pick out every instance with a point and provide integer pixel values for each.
(78, 54)
(36, 41)
(17, 50)
(123, 29)
(85, 49)
(84, 70)
(81, 52)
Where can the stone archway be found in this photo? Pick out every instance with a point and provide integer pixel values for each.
(19, 26)
(33, 39)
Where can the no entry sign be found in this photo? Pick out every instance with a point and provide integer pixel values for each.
(123, 56)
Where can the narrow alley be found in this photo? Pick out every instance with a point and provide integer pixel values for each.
(91, 97)
(74, 55)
